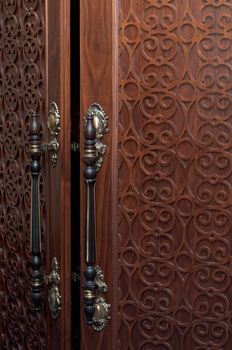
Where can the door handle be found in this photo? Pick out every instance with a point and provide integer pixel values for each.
(35, 239)
(38, 278)
(96, 309)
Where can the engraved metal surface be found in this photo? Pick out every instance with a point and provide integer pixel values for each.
(54, 297)
(101, 315)
(101, 125)
(53, 124)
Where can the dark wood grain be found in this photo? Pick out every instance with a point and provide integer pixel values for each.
(97, 69)
(23, 90)
(173, 142)
(35, 71)
(65, 242)
(58, 79)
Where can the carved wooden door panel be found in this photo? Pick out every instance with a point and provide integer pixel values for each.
(162, 72)
(33, 39)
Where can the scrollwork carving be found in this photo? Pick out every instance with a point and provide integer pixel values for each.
(175, 174)
(22, 88)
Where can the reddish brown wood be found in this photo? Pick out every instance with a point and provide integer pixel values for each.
(23, 89)
(35, 63)
(175, 175)
(65, 241)
(174, 184)
(97, 69)
(58, 78)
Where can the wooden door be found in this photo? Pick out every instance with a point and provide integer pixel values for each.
(162, 72)
(34, 72)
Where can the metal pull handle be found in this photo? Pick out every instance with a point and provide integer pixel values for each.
(35, 240)
(38, 277)
(95, 308)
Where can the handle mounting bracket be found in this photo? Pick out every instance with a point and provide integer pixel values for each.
(53, 124)
(100, 120)
(102, 314)
(96, 309)
(54, 297)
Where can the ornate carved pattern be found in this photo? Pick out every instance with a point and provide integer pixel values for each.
(22, 90)
(175, 174)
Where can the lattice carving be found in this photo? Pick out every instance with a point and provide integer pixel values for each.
(175, 175)
(22, 89)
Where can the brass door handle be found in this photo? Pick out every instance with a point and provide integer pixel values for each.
(95, 308)
(38, 277)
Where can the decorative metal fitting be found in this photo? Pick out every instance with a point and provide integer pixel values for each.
(100, 120)
(54, 297)
(38, 277)
(95, 307)
(53, 124)
(102, 314)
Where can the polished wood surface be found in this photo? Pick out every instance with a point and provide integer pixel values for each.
(75, 174)
(171, 244)
(97, 50)
(59, 235)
